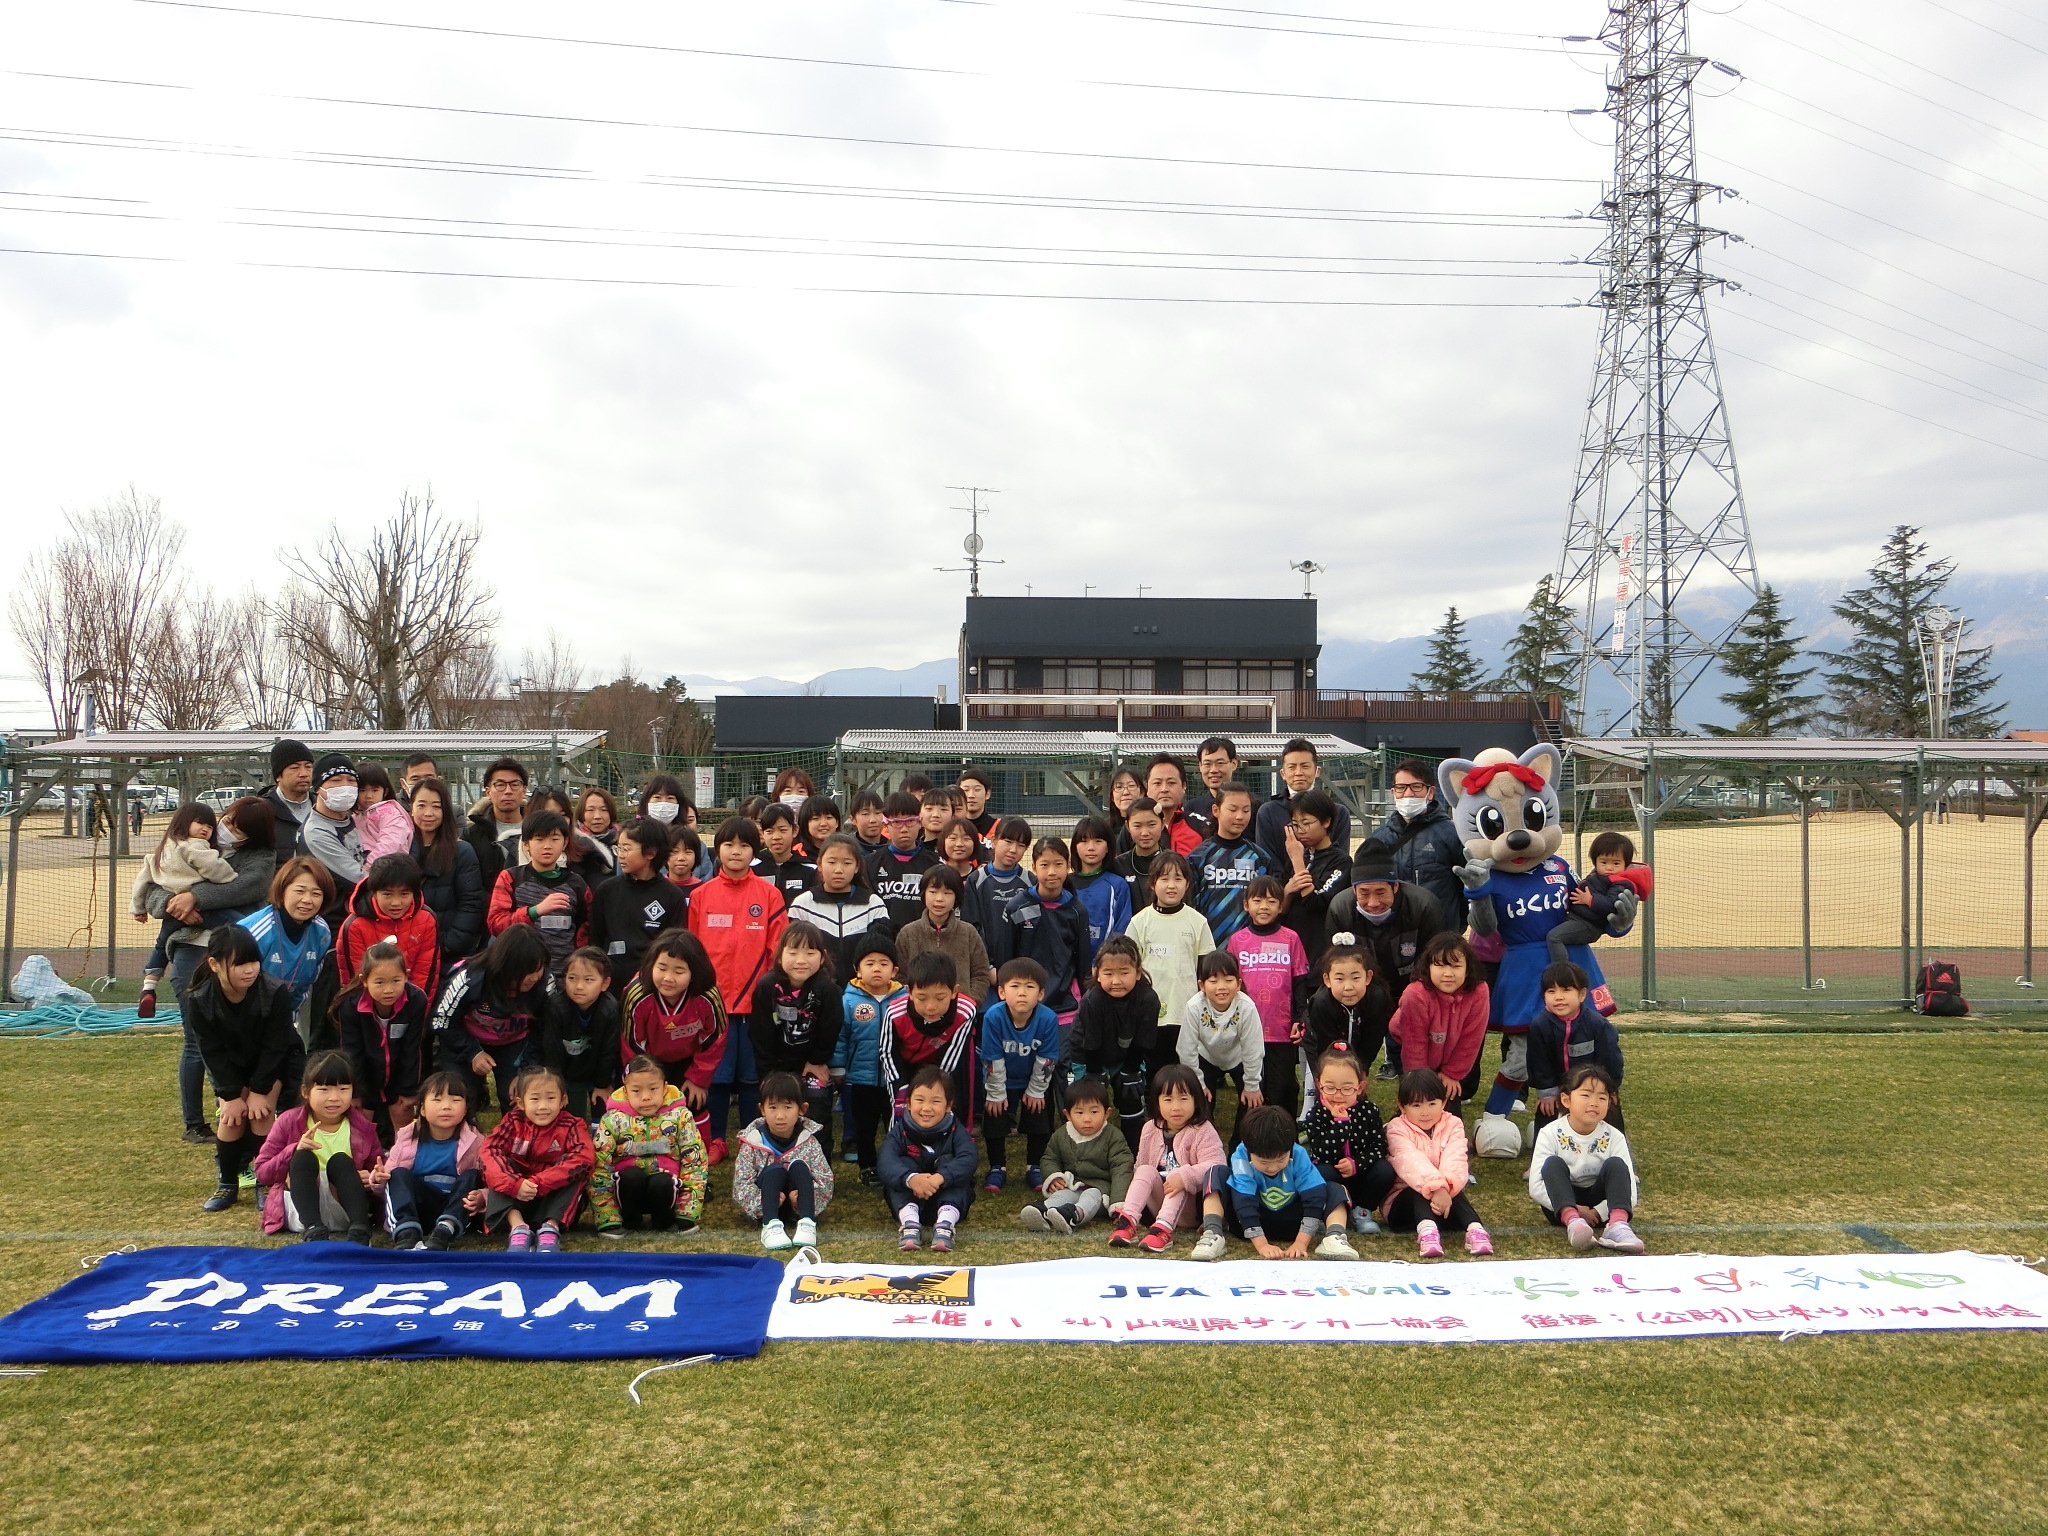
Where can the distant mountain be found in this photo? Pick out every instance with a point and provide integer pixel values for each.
(917, 681)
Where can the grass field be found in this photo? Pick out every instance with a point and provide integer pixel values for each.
(1749, 1143)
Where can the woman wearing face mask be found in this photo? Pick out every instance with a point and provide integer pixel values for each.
(1421, 839)
(664, 800)
(792, 787)
(243, 835)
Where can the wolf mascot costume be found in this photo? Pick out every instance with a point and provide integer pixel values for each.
(1507, 815)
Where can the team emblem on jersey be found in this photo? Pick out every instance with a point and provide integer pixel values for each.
(754, 909)
(955, 1287)
(864, 1013)
(654, 911)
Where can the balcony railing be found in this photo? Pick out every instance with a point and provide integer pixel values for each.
(1270, 708)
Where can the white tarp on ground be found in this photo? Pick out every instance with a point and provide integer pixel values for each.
(1599, 1296)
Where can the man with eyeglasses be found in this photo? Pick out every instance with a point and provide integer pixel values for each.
(493, 829)
(1422, 841)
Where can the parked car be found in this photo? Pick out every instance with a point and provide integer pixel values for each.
(218, 800)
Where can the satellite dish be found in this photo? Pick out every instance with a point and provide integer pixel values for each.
(972, 544)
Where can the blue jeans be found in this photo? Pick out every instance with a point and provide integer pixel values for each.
(736, 1066)
(185, 960)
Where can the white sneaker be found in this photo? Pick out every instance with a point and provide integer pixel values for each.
(1335, 1245)
(1031, 1219)
(806, 1234)
(1621, 1237)
(773, 1236)
(1210, 1245)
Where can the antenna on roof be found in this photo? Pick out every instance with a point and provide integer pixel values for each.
(1309, 571)
(973, 544)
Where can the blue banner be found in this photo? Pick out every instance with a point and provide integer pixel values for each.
(320, 1301)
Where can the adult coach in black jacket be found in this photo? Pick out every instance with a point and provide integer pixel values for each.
(1392, 920)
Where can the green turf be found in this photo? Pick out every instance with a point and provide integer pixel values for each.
(1748, 1144)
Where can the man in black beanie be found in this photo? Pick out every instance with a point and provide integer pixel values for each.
(291, 783)
(1392, 920)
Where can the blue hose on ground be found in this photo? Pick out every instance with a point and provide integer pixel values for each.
(52, 1020)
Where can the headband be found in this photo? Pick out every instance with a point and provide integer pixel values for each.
(1477, 780)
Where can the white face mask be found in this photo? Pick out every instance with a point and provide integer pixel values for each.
(224, 838)
(1409, 807)
(793, 800)
(663, 810)
(339, 797)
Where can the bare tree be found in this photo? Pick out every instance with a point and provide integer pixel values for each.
(398, 612)
(464, 695)
(550, 682)
(275, 685)
(192, 665)
(45, 629)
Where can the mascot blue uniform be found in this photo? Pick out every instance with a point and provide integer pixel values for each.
(1508, 818)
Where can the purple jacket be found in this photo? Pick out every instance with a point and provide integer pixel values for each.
(274, 1161)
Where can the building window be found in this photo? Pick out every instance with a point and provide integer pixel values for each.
(1237, 676)
(998, 675)
(1073, 675)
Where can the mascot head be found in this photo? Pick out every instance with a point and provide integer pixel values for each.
(1505, 807)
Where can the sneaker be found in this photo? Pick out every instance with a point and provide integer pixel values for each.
(1363, 1224)
(1335, 1245)
(246, 1179)
(909, 1237)
(942, 1237)
(360, 1236)
(1123, 1232)
(997, 1178)
(1579, 1232)
(1034, 1178)
(1209, 1247)
(850, 1157)
(1477, 1242)
(198, 1136)
(1386, 1073)
(616, 1231)
(419, 1247)
(442, 1238)
(1158, 1240)
(1060, 1222)
(550, 1239)
(223, 1196)
(870, 1177)
(145, 1005)
(715, 1153)
(1428, 1241)
(774, 1236)
(806, 1233)
(315, 1235)
(1033, 1220)
(1621, 1237)
(521, 1240)
(408, 1236)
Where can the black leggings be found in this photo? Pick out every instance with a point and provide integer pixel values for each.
(542, 1208)
(1410, 1210)
(343, 1182)
(647, 1192)
(1368, 1188)
(787, 1187)
(870, 1104)
(1611, 1187)
(1034, 1124)
(1280, 1078)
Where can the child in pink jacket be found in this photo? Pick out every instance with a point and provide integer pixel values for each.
(1426, 1145)
(320, 1158)
(1180, 1168)
(1441, 1022)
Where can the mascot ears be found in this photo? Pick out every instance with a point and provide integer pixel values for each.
(1539, 763)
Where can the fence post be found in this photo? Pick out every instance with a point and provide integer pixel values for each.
(1805, 882)
(1906, 814)
(118, 809)
(2030, 822)
(1652, 805)
(1920, 859)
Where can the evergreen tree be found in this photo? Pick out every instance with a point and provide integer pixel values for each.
(1538, 659)
(1450, 667)
(1760, 659)
(1878, 685)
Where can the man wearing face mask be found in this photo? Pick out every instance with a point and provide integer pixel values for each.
(1392, 921)
(1422, 841)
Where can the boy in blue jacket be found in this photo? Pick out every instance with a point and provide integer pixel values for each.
(1020, 1054)
(927, 1164)
(1276, 1197)
(1571, 1033)
(857, 1058)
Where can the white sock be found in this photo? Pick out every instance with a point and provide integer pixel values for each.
(949, 1215)
(907, 1217)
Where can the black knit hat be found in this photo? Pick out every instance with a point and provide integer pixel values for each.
(872, 943)
(1373, 868)
(329, 765)
(285, 753)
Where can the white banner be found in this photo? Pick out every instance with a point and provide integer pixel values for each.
(1601, 1296)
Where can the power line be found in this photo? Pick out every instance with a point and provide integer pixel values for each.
(788, 58)
(823, 138)
(1421, 217)
(669, 282)
(1900, 58)
(1249, 26)
(1994, 31)
(491, 229)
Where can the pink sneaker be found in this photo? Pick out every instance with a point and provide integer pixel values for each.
(1579, 1232)
(1477, 1242)
(521, 1240)
(1428, 1241)
(1621, 1237)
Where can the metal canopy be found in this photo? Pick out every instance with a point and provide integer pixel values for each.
(142, 745)
(1679, 752)
(974, 746)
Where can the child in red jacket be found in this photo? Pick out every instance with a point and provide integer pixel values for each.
(536, 1163)
(675, 1015)
(739, 918)
(387, 905)
(1441, 1022)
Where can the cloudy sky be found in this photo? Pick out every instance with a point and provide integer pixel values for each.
(702, 309)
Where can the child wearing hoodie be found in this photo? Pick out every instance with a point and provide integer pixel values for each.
(387, 907)
(796, 1020)
(1570, 1033)
(1349, 1011)
(382, 822)
(1046, 922)
(857, 1058)
(927, 1164)
(1116, 1032)
(647, 1156)
(783, 1171)
(381, 1023)
(580, 1029)
(942, 928)
(1221, 1035)
(319, 1158)
(1178, 1171)
(433, 1177)
(536, 1163)
(1441, 1022)
(1088, 1164)
(1427, 1148)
